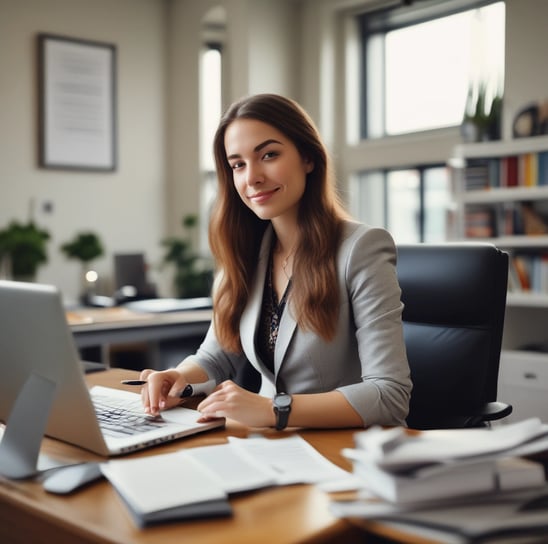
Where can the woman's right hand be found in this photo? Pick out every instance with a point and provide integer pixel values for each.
(155, 394)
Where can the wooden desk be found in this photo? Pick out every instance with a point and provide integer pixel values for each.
(116, 325)
(96, 514)
(106, 327)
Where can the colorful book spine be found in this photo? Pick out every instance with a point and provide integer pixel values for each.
(525, 170)
(529, 272)
(542, 168)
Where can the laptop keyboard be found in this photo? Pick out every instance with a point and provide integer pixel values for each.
(120, 418)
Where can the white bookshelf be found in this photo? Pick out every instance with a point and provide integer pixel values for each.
(523, 377)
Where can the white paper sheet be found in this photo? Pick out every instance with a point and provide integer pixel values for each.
(163, 481)
(293, 459)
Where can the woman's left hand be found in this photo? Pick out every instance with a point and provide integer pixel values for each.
(232, 401)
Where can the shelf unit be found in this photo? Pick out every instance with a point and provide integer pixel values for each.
(492, 214)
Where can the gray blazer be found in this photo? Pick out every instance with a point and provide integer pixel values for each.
(366, 360)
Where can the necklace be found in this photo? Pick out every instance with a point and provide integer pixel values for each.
(285, 263)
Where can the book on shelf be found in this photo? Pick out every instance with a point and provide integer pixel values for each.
(505, 219)
(520, 170)
(528, 169)
(521, 265)
(542, 168)
(528, 272)
(477, 174)
(479, 222)
(534, 222)
(509, 172)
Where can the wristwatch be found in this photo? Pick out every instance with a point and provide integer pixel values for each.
(282, 407)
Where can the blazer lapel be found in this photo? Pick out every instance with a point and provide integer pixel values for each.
(252, 312)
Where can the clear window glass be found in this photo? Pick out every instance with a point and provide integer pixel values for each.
(438, 205)
(404, 205)
(210, 114)
(367, 202)
(418, 75)
(414, 204)
(210, 104)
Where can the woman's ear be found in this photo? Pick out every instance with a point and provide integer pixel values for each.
(308, 166)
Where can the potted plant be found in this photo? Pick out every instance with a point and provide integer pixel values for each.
(84, 247)
(193, 275)
(482, 119)
(24, 247)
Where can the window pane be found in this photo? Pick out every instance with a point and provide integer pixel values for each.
(403, 198)
(428, 68)
(210, 113)
(437, 204)
(415, 205)
(210, 104)
(367, 198)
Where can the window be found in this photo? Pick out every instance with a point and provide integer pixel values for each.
(420, 61)
(414, 204)
(210, 113)
(210, 102)
(210, 109)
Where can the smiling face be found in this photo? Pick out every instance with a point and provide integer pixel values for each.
(268, 172)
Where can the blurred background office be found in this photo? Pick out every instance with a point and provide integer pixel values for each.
(178, 63)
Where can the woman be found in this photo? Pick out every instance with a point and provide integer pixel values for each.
(307, 296)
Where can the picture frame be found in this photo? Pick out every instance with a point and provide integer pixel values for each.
(77, 103)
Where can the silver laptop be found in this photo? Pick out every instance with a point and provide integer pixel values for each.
(36, 339)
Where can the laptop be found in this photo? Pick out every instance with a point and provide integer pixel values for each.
(36, 339)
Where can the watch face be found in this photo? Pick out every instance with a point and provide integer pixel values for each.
(282, 400)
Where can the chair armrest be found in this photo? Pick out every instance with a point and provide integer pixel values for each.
(490, 411)
(495, 410)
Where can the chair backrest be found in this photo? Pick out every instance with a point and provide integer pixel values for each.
(130, 269)
(455, 298)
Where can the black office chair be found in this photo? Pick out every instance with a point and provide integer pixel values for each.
(455, 298)
(131, 278)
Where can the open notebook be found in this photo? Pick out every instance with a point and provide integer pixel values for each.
(35, 339)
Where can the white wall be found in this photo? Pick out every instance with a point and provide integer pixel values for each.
(526, 51)
(126, 207)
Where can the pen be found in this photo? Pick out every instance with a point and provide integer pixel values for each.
(194, 389)
(191, 390)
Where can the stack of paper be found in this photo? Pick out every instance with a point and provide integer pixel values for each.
(420, 478)
(403, 468)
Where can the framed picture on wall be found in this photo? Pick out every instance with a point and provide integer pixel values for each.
(77, 103)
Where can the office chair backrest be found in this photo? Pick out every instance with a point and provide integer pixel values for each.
(130, 269)
(455, 298)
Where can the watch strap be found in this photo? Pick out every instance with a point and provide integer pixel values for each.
(282, 410)
(282, 417)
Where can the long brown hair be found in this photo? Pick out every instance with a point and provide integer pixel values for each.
(235, 232)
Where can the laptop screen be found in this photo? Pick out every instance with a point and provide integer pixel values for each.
(35, 339)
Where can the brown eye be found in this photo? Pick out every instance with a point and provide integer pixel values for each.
(236, 165)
